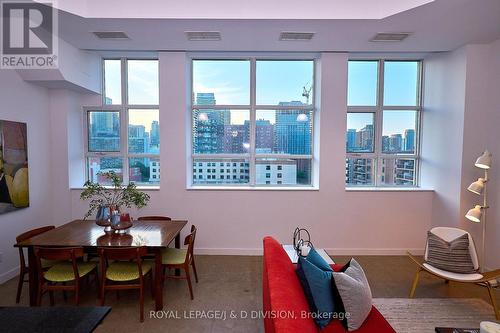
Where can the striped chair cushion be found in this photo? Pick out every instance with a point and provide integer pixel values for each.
(63, 272)
(451, 256)
(126, 270)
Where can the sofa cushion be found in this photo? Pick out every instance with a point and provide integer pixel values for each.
(355, 293)
(319, 283)
(451, 256)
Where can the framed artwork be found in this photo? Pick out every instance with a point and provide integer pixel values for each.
(14, 185)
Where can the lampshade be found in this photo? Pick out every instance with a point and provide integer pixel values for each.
(474, 214)
(484, 161)
(477, 187)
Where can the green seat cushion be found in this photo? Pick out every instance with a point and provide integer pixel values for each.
(126, 270)
(172, 256)
(49, 263)
(63, 271)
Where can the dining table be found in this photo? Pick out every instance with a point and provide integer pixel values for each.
(155, 235)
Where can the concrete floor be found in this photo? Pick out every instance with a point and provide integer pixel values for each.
(233, 283)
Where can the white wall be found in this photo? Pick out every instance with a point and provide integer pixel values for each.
(24, 102)
(481, 131)
(442, 135)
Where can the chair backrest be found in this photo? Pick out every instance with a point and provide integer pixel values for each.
(154, 218)
(27, 235)
(59, 253)
(448, 234)
(189, 241)
(134, 253)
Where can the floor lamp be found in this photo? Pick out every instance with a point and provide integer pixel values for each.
(478, 213)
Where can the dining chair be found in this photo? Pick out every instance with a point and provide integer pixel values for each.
(154, 218)
(71, 268)
(181, 259)
(126, 271)
(23, 268)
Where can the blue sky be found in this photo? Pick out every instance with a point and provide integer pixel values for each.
(276, 81)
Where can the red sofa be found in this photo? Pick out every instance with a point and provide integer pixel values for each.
(285, 304)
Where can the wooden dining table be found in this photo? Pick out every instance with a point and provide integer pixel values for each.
(154, 235)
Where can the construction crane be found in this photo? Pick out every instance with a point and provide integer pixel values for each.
(306, 92)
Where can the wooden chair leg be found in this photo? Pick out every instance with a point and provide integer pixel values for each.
(415, 282)
(96, 280)
(77, 293)
(194, 271)
(188, 278)
(141, 300)
(39, 296)
(51, 295)
(20, 286)
(152, 283)
(493, 301)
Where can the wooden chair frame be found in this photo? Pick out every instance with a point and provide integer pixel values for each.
(124, 254)
(188, 261)
(23, 268)
(63, 254)
(487, 276)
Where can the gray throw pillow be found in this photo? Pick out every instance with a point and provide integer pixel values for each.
(451, 256)
(355, 293)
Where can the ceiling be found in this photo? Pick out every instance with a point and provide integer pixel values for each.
(439, 25)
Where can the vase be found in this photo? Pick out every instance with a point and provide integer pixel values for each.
(106, 216)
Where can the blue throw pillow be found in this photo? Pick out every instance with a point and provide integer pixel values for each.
(319, 286)
(314, 258)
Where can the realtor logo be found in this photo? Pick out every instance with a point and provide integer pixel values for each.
(28, 39)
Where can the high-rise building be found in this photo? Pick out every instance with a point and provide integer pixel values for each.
(292, 136)
(409, 140)
(236, 139)
(155, 133)
(395, 143)
(351, 139)
(264, 138)
(208, 134)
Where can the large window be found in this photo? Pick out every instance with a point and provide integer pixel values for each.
(383, 122)
(124, 134)
(252, 122)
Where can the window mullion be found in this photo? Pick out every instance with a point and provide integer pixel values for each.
(253, 127)
(378, 125)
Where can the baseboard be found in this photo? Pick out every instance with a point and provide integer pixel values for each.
(330, 251)
(4, 277)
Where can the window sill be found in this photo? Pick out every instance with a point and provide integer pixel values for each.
(256, 188)
(388, 189)
(142, 188)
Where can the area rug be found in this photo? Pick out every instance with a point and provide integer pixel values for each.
(422, 315)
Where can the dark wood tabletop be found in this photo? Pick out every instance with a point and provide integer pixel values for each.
(86, 233)
(155, 235)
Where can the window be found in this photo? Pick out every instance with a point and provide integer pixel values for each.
(255, 113)
(124, 134)
(383, 123)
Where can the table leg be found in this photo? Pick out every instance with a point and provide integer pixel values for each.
(33, 276)
(158, 281)
(178, 246)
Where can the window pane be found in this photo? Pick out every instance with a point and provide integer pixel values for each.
(104, 131)
(287, 82)
(144, 131)
(399, 132)
(97, 165)
(221, 82)
(144, 170)
(362, 83)
(221, 131)
(221, 171)
(112, 82)
(400, 82)
(274, 171)
(359, 171)
(398, 172)
(143, 84)
(360, 132)
(284, 132)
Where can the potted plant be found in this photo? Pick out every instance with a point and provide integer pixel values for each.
(108, 199)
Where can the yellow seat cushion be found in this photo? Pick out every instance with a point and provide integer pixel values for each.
(172, 256)
(63, 271)
(126, 270)
(49, 263)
